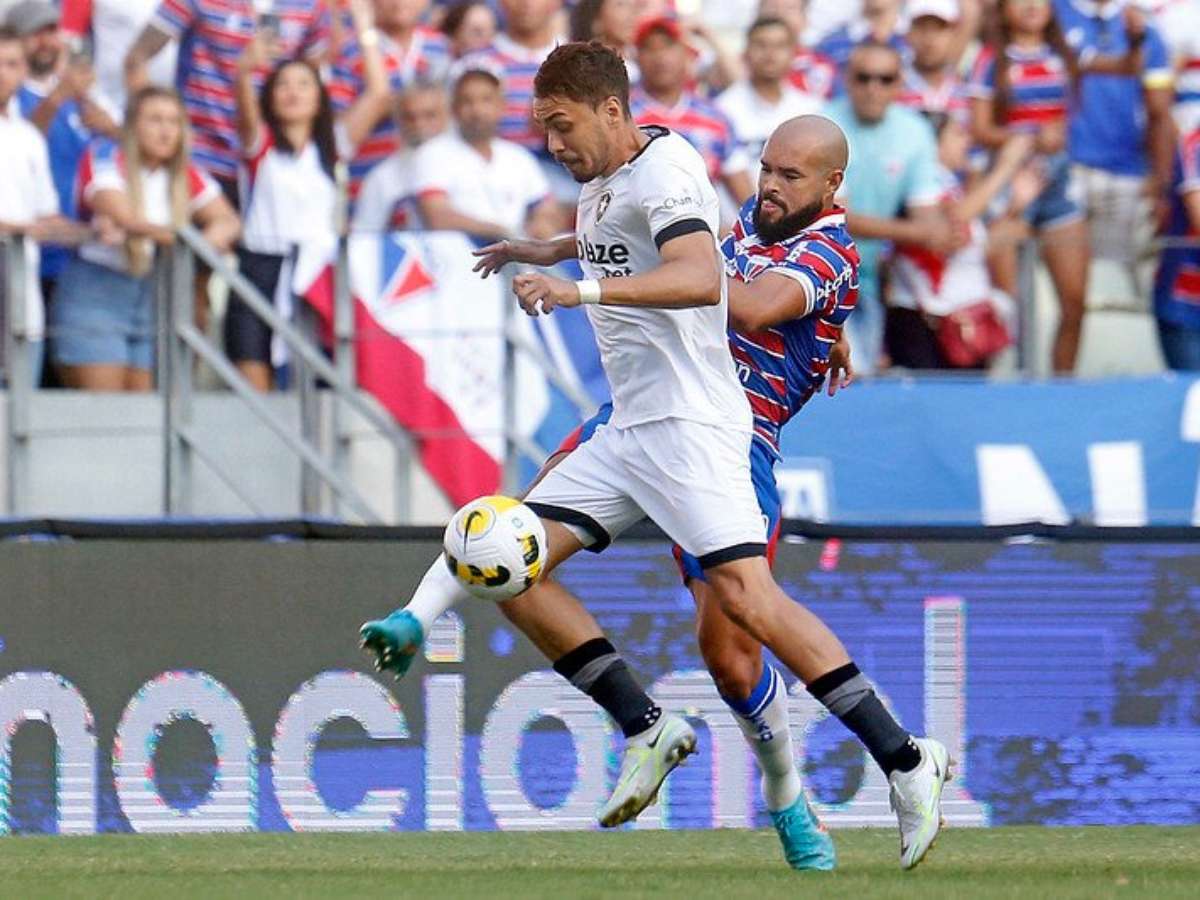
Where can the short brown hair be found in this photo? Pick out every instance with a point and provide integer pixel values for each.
(584, 72)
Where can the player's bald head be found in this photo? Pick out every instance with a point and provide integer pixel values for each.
(802, 168)
(811, 142)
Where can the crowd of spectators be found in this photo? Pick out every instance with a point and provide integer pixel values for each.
(974, 126)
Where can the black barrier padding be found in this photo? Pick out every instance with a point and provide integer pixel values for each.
(323, 530)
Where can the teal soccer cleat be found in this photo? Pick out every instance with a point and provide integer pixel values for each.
(806, 843)
(394, 641)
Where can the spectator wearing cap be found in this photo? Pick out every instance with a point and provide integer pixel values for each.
(892, 191)
(663, 98)
(758, 104)
(812, 72)
(58, 98)
(469, 179)
(470, 26)
(1120, 135)
(411, 52)
(932, 84)
(110, 27)
(387, 201)
(213, 36)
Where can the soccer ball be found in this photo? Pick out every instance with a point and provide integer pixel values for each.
(495, 547)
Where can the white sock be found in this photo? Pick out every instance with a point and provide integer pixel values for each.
(765, 725)
(438, 591)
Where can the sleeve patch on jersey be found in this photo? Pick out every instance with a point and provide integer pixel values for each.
(679, 229)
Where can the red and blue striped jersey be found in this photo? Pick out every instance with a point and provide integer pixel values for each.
(1039, 85)
(949, 98)
(1177, 284)
(700, 123)
(213, 34)
(519, 65)
(427, 58)
(814, 73)
(781, 367)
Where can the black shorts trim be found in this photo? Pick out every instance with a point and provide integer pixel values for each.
(729, 554)
(679, 229)
(576, 518)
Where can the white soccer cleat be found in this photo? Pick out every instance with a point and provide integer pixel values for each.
(916, 798)
(649, 759)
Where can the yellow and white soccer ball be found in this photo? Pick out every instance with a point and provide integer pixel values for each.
(496, 547)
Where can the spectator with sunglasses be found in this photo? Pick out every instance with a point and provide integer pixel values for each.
(892, 191)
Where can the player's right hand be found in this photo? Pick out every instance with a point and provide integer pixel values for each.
(495, 257)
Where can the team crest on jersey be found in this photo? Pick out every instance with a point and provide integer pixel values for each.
(602, 206)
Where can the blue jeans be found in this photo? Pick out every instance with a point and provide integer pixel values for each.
(1180, 346)
(102, 316)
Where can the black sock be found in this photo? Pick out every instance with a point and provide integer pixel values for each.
(847, 694)
(597, 669)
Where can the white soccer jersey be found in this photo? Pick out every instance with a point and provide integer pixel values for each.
(660, 363)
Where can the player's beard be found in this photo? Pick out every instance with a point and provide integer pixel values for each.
(788, 225)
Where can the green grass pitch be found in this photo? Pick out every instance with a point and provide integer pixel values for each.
(1002, 862)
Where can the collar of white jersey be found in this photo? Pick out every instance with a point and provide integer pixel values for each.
(653, 132)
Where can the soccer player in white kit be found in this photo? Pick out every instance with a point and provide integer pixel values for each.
(677, 446)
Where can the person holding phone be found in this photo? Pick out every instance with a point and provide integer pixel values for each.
(218, 33)
(291, 146)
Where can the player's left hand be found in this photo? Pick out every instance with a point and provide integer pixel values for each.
(537, 292)
(841, 371)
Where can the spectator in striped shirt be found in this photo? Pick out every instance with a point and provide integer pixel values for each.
(213, 35)
(411, 52)
(530, 33)
(664, 99)
(812, 73)
(1025, 81)
(1022, 83)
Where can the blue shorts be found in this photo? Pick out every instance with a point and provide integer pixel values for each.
(102, 317)
(1059, 202)
(762, 474)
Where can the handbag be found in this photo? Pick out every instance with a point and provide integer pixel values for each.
(970, 336)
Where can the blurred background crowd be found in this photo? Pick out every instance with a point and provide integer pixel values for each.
(980, 130)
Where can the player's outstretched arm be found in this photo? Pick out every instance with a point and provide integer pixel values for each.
(495, 257)
(770, 299)
(688, 277)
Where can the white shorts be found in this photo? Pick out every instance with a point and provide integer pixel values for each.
(691, 480)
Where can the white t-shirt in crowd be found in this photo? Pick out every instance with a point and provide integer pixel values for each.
(288, 199)
(26, 195)
(942, 285)
(503, 189)
(103, 169)
(660, 363)
(754, 118)
(387, 201)
(115, 25)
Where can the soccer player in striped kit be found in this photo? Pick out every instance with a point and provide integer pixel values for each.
(648, 187)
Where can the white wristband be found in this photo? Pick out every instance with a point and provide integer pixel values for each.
(589, 291)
